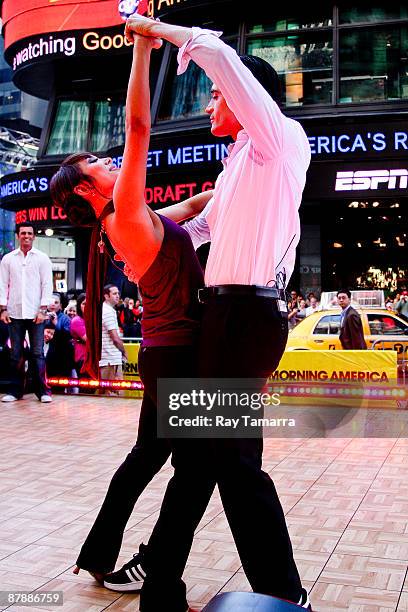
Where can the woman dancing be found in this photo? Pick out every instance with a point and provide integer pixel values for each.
(160, 257)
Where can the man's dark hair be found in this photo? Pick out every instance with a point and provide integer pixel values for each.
(20, 225)
(265, 74)
(346, 291)
(81, 298)
(107, 289)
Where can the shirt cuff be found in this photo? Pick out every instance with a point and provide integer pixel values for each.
(183, 58)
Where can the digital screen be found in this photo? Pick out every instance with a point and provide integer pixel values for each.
(374, 140)
(386, 178)
(33, 17)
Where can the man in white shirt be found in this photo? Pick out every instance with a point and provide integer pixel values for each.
(113, 350)
(253, 223)
(314, 306)
(25, 292)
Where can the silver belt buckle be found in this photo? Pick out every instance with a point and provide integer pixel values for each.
(282, 306)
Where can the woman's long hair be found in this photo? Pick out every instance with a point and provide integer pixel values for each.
(63, 183)
(81, 214)
(81, 298)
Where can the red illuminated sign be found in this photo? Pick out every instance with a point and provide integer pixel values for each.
(25, 18)
(41, 214)
(168, 194)
(32, 17)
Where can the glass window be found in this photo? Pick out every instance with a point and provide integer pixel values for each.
(384, 325)
(334, 327)
(329, 324)
(304, 63)
(372, 12)
(373, 64)
(6, 75)
(108, 127)
(7, 223)
(185, 95)
(306, 19)
(10, 97)
(70, 127)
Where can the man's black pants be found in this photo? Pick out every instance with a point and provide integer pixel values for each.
(241, 336)
(17, 330)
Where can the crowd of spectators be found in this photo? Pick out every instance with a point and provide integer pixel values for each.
(65, 334)
(299, 308)
(398, 304)
(130, 316)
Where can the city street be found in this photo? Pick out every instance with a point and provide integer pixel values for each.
(345, 500)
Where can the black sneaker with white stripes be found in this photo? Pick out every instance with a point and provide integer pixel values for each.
(130, 577)
(305, 601)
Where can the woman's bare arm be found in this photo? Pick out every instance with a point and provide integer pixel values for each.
(132, 217)
(188, 208)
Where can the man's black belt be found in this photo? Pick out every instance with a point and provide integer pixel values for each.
(241, 290)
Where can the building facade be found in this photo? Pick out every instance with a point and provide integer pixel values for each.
(18, 149)
(344, 76)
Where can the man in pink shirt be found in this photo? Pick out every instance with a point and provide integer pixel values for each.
(253, 224)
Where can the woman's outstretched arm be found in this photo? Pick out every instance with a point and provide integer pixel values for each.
(187, 208)
(132, 217)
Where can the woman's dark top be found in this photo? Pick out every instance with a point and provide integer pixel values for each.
(169, 290)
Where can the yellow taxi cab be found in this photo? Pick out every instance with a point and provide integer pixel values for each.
(383, 330)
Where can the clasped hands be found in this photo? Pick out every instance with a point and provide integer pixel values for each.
(140, 26)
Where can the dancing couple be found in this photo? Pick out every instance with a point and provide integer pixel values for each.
(253, 223)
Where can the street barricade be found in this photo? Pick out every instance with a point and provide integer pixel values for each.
(131, 368)
(362, 378)
(314, 377)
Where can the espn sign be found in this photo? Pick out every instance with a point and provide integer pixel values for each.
(357, 180)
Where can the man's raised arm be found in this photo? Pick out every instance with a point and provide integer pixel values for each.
(254, 108)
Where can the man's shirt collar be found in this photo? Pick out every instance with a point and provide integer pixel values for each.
(18, 251)
(236, 146)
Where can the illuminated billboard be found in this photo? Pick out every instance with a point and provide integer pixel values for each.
(23, 19)
(32, 17)
(47, 38)
(74, 43)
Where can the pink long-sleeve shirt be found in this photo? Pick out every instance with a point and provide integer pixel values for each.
(253, 217)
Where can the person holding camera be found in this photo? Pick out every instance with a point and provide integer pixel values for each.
(25, 293)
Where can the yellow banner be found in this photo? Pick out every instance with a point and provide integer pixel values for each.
(376, 368)
(131, 369)
(325, 369)
(337, 366)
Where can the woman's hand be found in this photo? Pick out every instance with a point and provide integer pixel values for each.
(149, 27)
(141, 26)
(147, 42)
